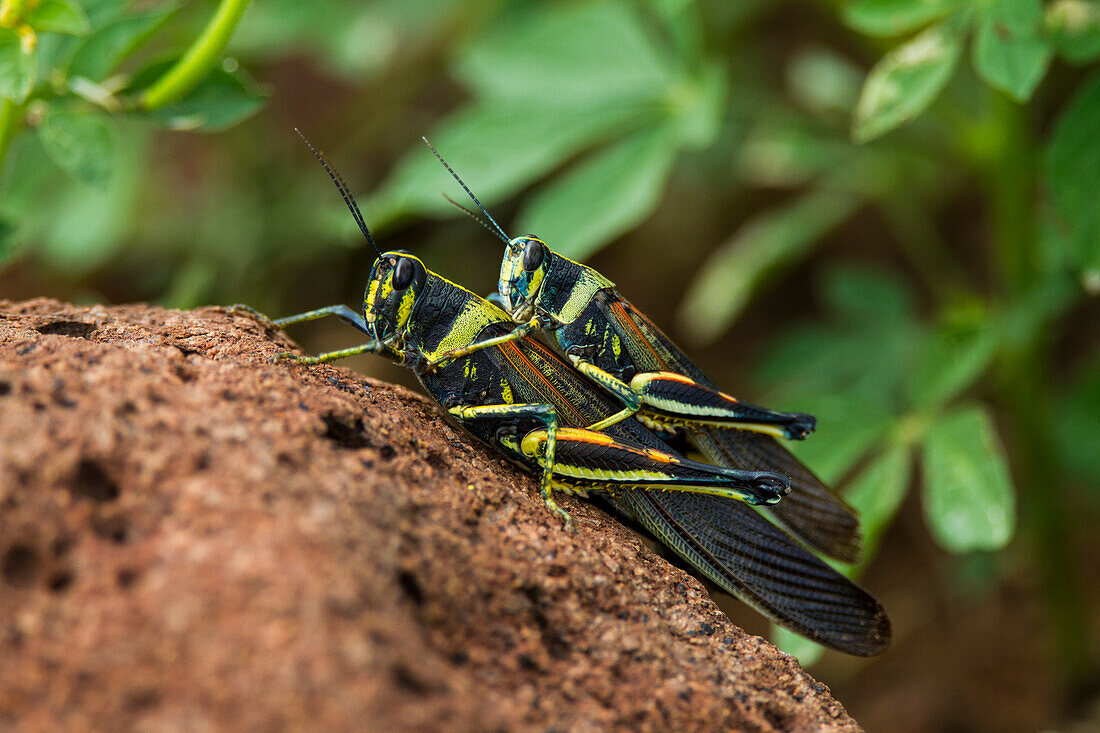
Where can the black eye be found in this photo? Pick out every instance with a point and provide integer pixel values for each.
(532, 256)
(403, 274)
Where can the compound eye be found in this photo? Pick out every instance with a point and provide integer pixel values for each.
(403, 274)
(532, 256)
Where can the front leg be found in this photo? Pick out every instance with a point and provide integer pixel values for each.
(371, 347)
(524, 329)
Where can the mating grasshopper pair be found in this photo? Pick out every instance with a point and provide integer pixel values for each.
(571, 422)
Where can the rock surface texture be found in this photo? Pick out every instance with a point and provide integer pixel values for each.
(193, 538)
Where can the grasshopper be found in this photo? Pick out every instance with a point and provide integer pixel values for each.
(521, 398)
(619, 349)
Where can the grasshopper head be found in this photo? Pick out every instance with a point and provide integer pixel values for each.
(521, 275)
(396, 280)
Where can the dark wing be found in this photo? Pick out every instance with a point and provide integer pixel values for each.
(812, 511)
(747, 556)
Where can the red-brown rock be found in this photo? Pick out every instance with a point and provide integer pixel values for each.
(193, 538)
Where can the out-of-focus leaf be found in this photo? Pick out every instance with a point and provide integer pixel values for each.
(84, 143)
(496, 149)
(219, 101)
(606, 194)
(698, 107)
(868, 298)
(906, 80)
(7, 241)
(109, 46)
(1010, 51)
(849, 424)
(1074, 28)
(878, 491)
(567, 54)
(1077, 426)
(805, 651)
(17, 69)
(950, 360)
(822, 81)
(969, 501)
(59, 16)
(729, 277)
(1073, 178)
(894, 17)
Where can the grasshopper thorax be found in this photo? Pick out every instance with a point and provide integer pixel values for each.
(396, 281)
(522, 273)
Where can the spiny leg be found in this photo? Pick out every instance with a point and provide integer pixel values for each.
(594, 461)
(340, 311)
(532, 411)
(682, 400)
(372, 347)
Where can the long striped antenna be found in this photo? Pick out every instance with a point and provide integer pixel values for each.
(469, 213)
(343, 189)
(496, 227)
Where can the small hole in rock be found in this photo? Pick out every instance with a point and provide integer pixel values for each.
(5, 388)
(411, 586)
(60, 582)
(127, 577)
(346, 430)
(20, 565)
(387, 452)
(92, 483)
(114, 528)
(72, 329)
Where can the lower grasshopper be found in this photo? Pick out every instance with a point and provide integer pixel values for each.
(521, 398)
(618, 348)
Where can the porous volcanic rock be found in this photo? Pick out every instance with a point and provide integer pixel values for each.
(193, 538)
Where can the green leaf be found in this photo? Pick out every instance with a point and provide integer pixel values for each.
(221, 100)
(59, 16)
(1073, 178)
(7, 241)
(969, 501)
(608, 193)
(1010, 51)
(906, 80)
(775, 238)
(565, 55)
(497, 149)
(85, 144)
(878, 491)
(17, 69)
(849, 423)
(868, 297)
(109, 46)
(950, 360)
(894, 17)
(1074, 28)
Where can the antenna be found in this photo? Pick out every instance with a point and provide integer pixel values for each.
(496, 227)
(343, 189)
(469, 213)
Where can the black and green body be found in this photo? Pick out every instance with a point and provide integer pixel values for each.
(617, 346)
(523, 399)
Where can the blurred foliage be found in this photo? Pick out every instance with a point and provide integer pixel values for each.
(964, 133)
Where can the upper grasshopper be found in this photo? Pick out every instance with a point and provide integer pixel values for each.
(618, 348)
(521, 398)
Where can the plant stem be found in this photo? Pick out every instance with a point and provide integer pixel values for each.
(9, 125)
(199, 59)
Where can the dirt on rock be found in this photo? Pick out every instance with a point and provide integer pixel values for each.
(193, 538)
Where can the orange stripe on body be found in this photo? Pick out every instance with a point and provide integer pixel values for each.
(620, 313)
(518, 360)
